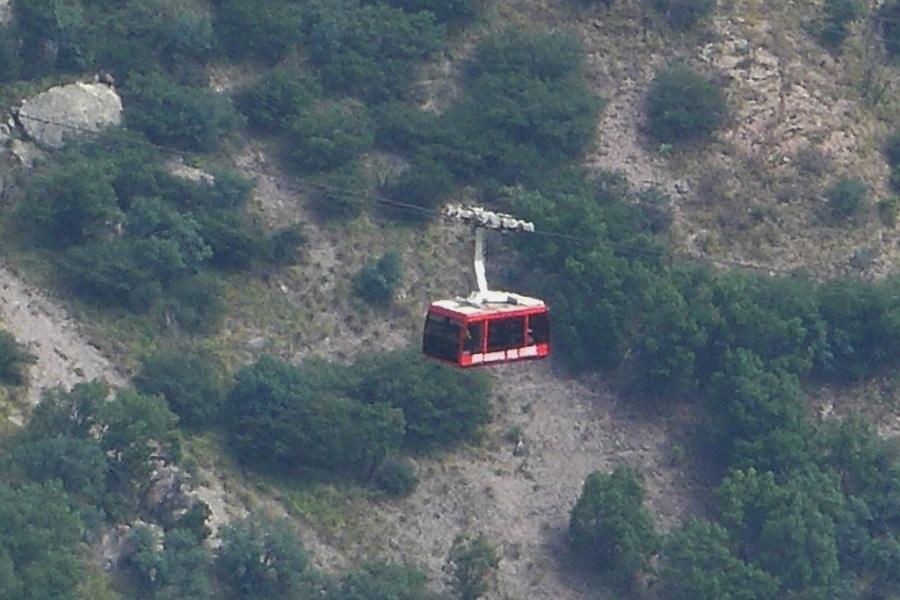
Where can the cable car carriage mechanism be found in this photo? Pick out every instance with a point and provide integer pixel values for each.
(487, 327)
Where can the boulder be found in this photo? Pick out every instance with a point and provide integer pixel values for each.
(68, 111)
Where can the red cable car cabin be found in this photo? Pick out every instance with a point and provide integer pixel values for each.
(470, 335)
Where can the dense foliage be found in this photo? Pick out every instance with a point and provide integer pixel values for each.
(14, 359)
(683, 14)
(611, 527)
(135, 235)
(837, 18)
(343, 418)
(682, 105)
(472, 563)
(378, 279)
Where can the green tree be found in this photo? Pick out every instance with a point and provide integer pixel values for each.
(383, 581)
(14, 360)
(70, 204)
(441, 406)
(838, 16)
(176, 115)
(472, 564)
(377, 281)
(329, 135)
(698, 562)
(55, 35)
(265, 32)
(273, 101)
(370, 50)
(287, 417)
(261, 558)
(610, 526)
(683, 106)
(40, 556)
(684, 14)
(845, 197)
(190, 381)
(527, 110)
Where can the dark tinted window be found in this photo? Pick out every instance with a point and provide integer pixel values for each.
(441, 339)
(474, 334)
(538, 329)
(506, 333)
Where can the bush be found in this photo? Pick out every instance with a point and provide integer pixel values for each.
(422, 188)
(376, 281)
(838, 15)
(441, 406)
(261, 558)
(845, 197)
(684, 14)
(10, 60)
(446, 11)
(13, 360)
(892, 149)
(70, 204)
(286, 417)
(55, 36)
(396, 476)
(528, 110)
(611, 528)
(370, 51)
(191, 383)
(890, 26)
(472, 564)
(283, 246)
(341, 193)
(380, 581)
(329, 135)
(888, 209)
(175, 115)
(277, 98)
(265, 32)
(682, 106)
(197, 303)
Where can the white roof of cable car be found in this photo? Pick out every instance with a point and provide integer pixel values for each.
(516, 302)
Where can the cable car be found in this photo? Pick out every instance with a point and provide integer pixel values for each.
(471, 335)
(487, 327)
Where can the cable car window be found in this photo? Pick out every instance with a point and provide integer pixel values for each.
(474, 335)
(506, 333)
(441, 339)
(538, 329)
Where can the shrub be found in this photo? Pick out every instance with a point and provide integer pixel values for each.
(396, 476)
(684, 14)
(261, 558)
(380, 581)
(329, 135)
(13, 360)
(70, 204)
(191, 383)
(892, 149)
(888, 209)
(197, 303)
(175, 115)
(838, 15)
(283, 246)
(682, 105)
(277, 98)
(10, 60)
(611, 528)
(284, 417)
(528, 110)
(845, 197)
(446, 11)
(890, 26)
(376, 281)
(55, 36)
(472, 564)
(441, 406)
(418, 191)
(341, 193)
(262, 31)
(370, 51)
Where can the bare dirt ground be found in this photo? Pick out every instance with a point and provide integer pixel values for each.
(65, 356)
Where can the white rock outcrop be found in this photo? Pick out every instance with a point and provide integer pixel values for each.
(67, 111)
